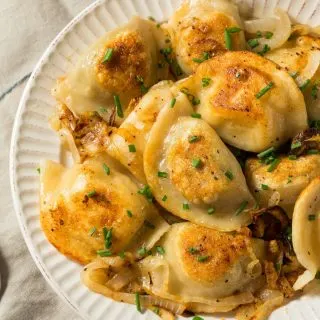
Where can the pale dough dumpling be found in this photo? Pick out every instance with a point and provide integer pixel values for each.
(306, 231)
(197, 31)
(250, 102)
(135, 129)
(301, 58)
(77, 203)
(123, 62)
(283, 185)
(192, 173)
(203, 268)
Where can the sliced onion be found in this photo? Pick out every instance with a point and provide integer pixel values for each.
(281, 28)
(303, 280)
(310, 69)
(67, 140)
(121, 279)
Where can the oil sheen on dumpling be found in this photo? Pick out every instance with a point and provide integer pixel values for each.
(135, 129)
(197, 29)
(133, 66)
(306, 231)
(192, 173)
(284, 183)
(251, 104)
(202, 266)
(77, 203)
(301, 58)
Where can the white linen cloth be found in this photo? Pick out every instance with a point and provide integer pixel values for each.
(26, 29)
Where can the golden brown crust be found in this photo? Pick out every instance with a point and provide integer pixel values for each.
(221, 249)
(129, 60)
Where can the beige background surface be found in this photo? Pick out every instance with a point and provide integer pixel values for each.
(26, 29)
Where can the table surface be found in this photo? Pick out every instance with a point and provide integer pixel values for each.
(26, 29)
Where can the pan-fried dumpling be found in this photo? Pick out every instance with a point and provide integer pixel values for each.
(192, 173)
(306, 231)
(301, 58)
(283, 185)
(251, 104)
(123, 62)
(135, 129)
(77, 203)
(197, 31)
(200, 266)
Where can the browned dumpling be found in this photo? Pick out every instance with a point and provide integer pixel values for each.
(246, 98)
(78, 203)
(197, 31)
(124, 62)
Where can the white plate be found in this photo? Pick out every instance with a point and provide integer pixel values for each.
(33, 140)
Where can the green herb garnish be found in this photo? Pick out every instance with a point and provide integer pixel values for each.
(292, 157)
(108, 55)
(104, 253)
(160, 250)
(229, 175)
(129, 213)
(304, 85)
(148, 224)
(265, 153)
(185, 206)
(264, 187)
(162, 174)
(146, 191)
(196, 115)
(205, 56)
(243, 205)
(132, 148)
(273, 165)
(91, 194)
(311, 217)
(173, 102)
(202, 258)
(264, 90)
(196, 163)
(296, 145)
(117, 103)
(92, 231)
(253, 43)
(211, 211)
(164, 198)
(205, 82)
(137, 301)
(106, 169)
(193, 139)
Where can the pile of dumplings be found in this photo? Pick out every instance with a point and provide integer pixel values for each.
(196, 178)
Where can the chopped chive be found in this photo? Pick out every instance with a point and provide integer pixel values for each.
(211, 211)
(264, 90)
(146, 191)
(273, 165)
(227, 39)
(304, 85)
(294, 75)
(106, 169)
(314, 91)
(185, 206)
(233, 30)
(103, 110)
(229, 175)
(317, 276)
(162, 174)
(137, 301)
(38, 169)
(205, 82)
(151, 18)
(167, 41)
(253, 43)
(164, 198)
(142, 251)
(243, 205)
(129, 214)
(265, 49)
(108, 55)
(238, 74)
(104, 253)
(107, 235)
(173, 102)
(313, 151)
(196, 163)
(202, 258)
(148, 224)
(265, 153)
(289, 179)
(196, 115)
(195, 101)
(193, 250)
(278, 266)
(296, 145)
(311, 217)
(259, 34)
(132, 148)
(205, 56)
(91, 194)
(160, 250)
(292, 157)
(268, 35)
(92, 231)
(197, 318)
(193, 139)
(117, 103)
(156, 310)
(264, 187)
(122, 255)
(158, 25)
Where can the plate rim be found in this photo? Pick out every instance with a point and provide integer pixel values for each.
(13, 151)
